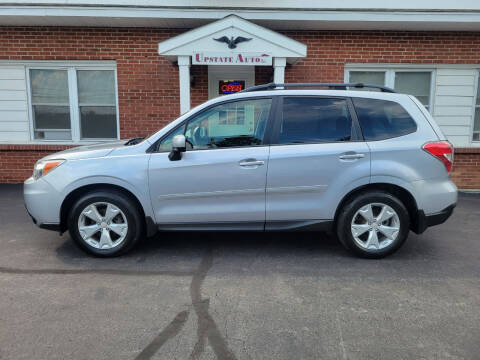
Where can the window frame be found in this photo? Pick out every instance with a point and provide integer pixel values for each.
(356, 132)
(475, 107)
(75, 123)
(266, 135)
(390, 77)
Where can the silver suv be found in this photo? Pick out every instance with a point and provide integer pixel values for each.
(368, 165)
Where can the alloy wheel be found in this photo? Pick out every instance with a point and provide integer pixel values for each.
(102, 225)
(375, 226)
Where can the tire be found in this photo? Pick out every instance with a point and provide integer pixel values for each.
(114, 210)
(352, 219)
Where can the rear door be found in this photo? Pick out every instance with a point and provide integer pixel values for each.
(317, 156)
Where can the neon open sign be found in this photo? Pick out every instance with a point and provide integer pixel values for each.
(230, 86)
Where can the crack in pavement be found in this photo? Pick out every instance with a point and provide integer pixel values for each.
(170, 331)
(207, 328)
(7, 270)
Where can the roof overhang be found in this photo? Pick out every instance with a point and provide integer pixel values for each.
(285, 15)
(260, 40)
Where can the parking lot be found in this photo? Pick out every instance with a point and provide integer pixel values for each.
(239, 295)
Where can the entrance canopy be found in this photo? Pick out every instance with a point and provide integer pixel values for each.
(230, 41)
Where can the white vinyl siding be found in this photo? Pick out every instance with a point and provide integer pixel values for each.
(454, 100)
(14, 125)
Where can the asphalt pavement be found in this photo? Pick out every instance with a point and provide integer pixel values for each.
(239, 295)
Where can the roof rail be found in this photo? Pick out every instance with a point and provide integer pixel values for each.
(273, 86)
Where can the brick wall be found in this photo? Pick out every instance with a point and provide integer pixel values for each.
(148, 92)
(466, 168)
(17, 161)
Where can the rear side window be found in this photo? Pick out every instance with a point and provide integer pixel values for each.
(382, 119)
(312, 119)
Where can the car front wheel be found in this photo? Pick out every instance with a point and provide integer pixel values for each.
(105, 223)
(373, 224)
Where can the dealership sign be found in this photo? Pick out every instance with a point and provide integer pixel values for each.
(210, 58)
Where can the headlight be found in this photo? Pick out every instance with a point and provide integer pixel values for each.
(44, 167)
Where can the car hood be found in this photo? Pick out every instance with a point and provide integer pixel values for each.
(87, 151)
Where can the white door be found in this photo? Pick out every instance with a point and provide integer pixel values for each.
(221, 73)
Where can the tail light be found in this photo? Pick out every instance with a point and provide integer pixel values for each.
(443, 151)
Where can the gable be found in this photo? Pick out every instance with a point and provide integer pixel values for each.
(261, 40)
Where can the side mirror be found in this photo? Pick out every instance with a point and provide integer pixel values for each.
(178, 146)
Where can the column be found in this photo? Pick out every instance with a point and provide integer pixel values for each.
(184, 82)
(279, 70)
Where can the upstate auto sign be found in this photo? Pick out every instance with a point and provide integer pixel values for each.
(240, 58)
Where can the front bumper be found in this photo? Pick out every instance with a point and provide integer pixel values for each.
(53, 227)
(424, 221)
(42, 202)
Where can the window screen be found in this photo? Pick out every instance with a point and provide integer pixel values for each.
(96, 100)
(311, 119)
(382, 119)
(50, 104)
(367, 77)
(415, 83)
(476, 119)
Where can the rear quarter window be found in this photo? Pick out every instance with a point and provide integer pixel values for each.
(383, 119)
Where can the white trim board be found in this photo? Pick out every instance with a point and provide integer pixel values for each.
(440, 15)
(262, 40)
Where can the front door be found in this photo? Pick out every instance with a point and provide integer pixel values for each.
(315, 157)
(221, 178)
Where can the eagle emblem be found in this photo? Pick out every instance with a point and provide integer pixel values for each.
(232, 43)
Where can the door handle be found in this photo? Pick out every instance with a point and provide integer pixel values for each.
(251, 162)
(351, 156)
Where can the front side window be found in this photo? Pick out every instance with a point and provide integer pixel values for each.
(416, 83)
(382, 119)
(313, 120)
(166, 144)
(73, 104)
(233, 124)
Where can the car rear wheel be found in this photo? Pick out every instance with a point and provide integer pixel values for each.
(105, 223)
(374, 224)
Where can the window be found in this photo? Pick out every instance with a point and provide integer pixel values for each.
(166, 143)
(96, 102)
(476, 119)
(233, 124)
(368, 77)
(314, 119)
(381, 119)
(413, 82)
(73, 104)
(50, 104)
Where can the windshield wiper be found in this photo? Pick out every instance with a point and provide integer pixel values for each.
(134, 141)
